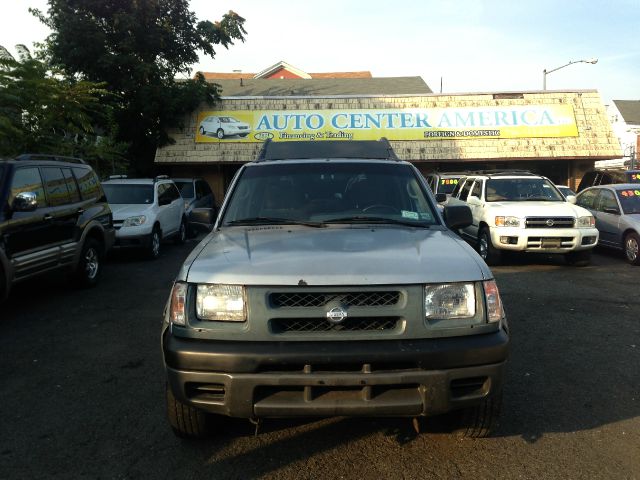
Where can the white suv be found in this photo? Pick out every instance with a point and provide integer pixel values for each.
(146, 211)
(521, 211)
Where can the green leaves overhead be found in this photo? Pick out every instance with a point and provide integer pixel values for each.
(42, 111)
(137, 48)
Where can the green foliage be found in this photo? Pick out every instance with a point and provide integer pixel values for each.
(43, 112)
(137, 48)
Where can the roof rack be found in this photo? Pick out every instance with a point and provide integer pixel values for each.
(311, 149)
(116, 177)
(497, 173)
(46, 156)
(160, 177)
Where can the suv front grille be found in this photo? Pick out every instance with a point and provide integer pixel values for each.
(355, 324)
(350, 299)
(549, 222)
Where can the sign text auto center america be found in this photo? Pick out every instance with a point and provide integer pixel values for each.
(404, 124)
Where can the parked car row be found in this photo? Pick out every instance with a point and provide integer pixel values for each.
(502, 222)
(57, 215)
(519, 211)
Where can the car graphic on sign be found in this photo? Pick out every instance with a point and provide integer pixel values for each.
(223, 126)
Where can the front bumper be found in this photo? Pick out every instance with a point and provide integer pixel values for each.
(133, 236)
(544, 240)
(382, 378)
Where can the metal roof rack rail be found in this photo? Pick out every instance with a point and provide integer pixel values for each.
(325, 149)
(116, 177)
(160, 177)
(46, 156)
(502, 172)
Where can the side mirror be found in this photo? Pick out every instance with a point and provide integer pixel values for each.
(571, 199)
(457, 216)
(202, 219)
(441, 197)
(25, 202)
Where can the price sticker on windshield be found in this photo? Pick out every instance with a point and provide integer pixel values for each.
(448, 181)
(630, 193)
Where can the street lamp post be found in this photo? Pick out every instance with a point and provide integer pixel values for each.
(546, 72)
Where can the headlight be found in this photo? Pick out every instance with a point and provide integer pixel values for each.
(134, 221)
(493, 301)
(177, 310)
(507, 222)
(586, 222)
(223, 303)
(449, 301)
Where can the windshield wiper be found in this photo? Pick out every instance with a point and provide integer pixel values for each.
(540, 199)
(376, 220)
(273, 221)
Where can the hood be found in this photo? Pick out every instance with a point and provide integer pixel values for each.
(540, 209)
(122, 211)
(336, 255)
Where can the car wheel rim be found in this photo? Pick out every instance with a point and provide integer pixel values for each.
(92, 263)
(632, 249)
(220, 134)
(155, 244)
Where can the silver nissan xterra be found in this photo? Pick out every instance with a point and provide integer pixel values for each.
(332, 286)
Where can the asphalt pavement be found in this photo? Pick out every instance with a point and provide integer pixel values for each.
(82, 389)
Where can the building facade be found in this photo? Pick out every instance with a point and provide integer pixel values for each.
(625, 121)
(559, 134)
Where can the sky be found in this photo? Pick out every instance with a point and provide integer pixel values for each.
(456, 46)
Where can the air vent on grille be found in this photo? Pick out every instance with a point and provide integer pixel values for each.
(314, 299)
(281, 325)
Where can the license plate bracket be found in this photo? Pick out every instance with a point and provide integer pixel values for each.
(550, 243)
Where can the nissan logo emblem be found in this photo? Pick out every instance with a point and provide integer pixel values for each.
(336, 315)
(549, 223)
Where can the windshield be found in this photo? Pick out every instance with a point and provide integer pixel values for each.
(522, 190)
(629, 200)
(447, 185)
(633, 176)
(330, 192)
(186, 189)
(128, 194)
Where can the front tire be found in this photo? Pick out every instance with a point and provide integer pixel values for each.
(4, 289)
(185, 421)
(581, 258)
(153, 250)
(181, 236)
(631, 243)
(89, 266)
(202, 131)
(220, 134)
(480, 420)
(490, 254)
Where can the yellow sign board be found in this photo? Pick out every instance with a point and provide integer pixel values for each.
(519, 121)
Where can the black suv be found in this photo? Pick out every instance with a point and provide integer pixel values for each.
(53, 215)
